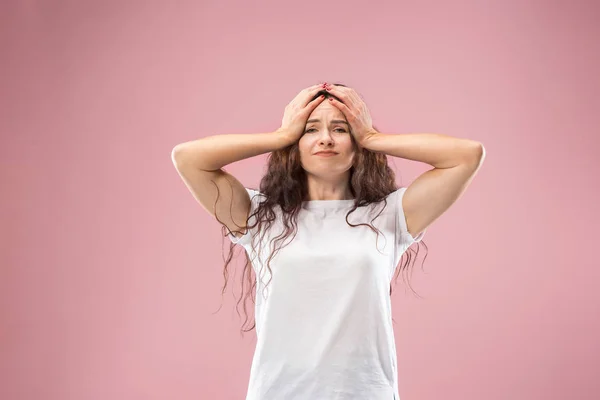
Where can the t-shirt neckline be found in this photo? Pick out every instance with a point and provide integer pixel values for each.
(327, 204)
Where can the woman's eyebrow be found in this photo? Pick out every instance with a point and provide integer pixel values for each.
(333, 121)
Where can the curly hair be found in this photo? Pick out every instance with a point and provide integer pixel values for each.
(285, 185)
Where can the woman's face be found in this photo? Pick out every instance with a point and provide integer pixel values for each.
(326, 129)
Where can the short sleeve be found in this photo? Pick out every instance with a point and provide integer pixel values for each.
(247, 237)
(403, 238)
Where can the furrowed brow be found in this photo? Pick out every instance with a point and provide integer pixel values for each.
(333, 121)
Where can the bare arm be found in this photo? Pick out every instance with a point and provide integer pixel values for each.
(455, 160)
(214, 152)
(199, 164)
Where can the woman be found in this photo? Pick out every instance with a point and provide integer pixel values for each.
(324, 235)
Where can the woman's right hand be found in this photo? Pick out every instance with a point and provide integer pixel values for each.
(297, 112)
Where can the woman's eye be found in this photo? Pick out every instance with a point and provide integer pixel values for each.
(342, 130)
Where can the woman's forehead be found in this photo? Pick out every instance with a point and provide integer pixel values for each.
(326, 112)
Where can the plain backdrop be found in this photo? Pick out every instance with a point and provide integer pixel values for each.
(111, 273)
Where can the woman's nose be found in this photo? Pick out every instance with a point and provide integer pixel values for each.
(326, 137)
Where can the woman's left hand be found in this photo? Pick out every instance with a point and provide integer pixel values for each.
(355, 110)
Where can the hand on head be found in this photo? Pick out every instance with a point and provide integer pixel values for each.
(355, 110)
(297, 111)
(351, 105)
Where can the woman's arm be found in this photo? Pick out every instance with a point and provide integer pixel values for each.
(437, 150)
(200, 162)
(455, 162)
(214, 152)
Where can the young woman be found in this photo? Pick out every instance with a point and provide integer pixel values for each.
(324, 235)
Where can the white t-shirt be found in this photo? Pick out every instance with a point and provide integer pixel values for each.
(324, 322)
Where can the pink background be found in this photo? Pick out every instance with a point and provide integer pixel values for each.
(112, 273)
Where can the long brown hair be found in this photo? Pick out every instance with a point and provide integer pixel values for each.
(285, 185)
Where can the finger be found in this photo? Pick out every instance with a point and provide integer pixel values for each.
(303, 97)
(313, 104)
(309, 108)
(346, 93)
(339, 91)
(312, 94)
(341, 106)
(353, 94)
(351, 100)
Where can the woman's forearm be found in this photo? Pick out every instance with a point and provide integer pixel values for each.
(440, 151)
(213, 152)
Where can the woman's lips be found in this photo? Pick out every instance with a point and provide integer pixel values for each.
(325, 154)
